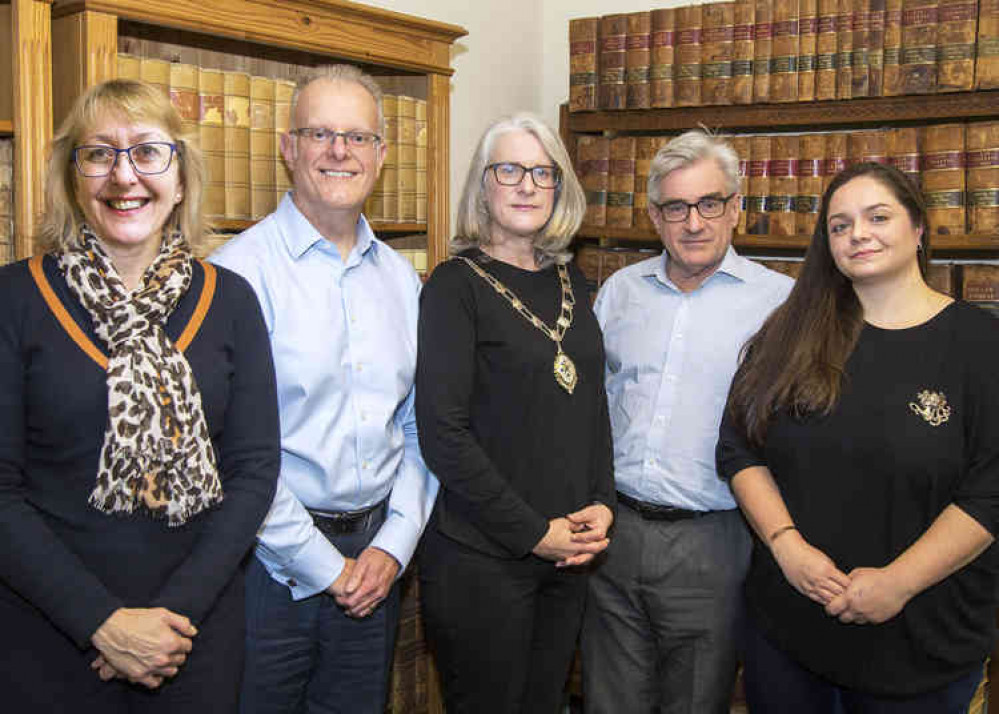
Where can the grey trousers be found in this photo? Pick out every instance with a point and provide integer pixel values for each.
(664, 616)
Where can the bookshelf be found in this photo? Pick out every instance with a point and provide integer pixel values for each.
(73, 44)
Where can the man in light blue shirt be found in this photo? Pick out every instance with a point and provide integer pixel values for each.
(353, 494)
(664, 613)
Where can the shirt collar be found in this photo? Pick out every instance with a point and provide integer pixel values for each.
(300, 235)
(732, 265)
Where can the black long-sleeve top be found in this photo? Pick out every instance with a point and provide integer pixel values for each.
(867, 481)
(66, 561)
(510, 447)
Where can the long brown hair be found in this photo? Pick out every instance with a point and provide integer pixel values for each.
(796, 362)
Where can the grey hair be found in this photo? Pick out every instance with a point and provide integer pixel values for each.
(342, 73)
(689, 148)
(570, 200)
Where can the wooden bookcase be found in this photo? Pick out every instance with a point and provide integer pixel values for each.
(861, 113)
(60, 47)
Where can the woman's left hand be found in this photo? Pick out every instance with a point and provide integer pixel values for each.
(591, 524)
(873, 596)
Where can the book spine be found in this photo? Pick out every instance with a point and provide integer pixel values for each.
(808, 28)
(757, 217)
(421, 161)
(860, 76)
(876, 47)
(982, 159)
(156, 72)
(784, 67)
(621, 182)
(687, 65)
(783, 184)
(812, 151)
(826, 60)
(940, 277)
(407, 158)
(661, 69)
(645, 150)
(741, 145)
(844, 50)
(637, 60)
(956, 45)
(942, 164)
(593, 159)
(980, 285)
(261, 147)
(236, 137)
(836, 157)
(892, 80)
(918, 62)
(128, 66)
(613, 36)
(583, 33)
(6, 200)
(385, 196)
(903, 152)
(283, 91)
(717, 50)
(744, 19)
(987, 54)
(211, 101)
(863, 146)
(762, 50)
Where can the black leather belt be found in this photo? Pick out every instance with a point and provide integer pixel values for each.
(336, 523)
(656, 512)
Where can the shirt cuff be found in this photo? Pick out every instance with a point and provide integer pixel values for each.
(397, 537)
(315, 567)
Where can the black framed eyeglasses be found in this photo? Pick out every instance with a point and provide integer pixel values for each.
(148, 158)
(708, 207)
(353, 139)
(509, 173)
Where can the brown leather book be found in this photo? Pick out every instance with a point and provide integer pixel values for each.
(808, 27)
(757, 217)
(836, 157)
(383, 204)
(613, 93)
(621, 182)
(637, 60)
(156, 72)
(892, 79)
(406, 211)
(687, 57)
(762, 50)
(876, 47)
(980, 285)
(741, 144)
(236, 138)
(943, 178)
(860, 64)
(844, 50)
(211, 98)
(717, 48)
(128, 65)
(283, 89)
(583, 33)
(645, 150)
(982, 158)
(918, 62)
(827, 59)
(812, 154)
(987, 59)
(903, 151)
(261, 147)
(662, 53)
(940, 277)
(588, 258)
(421, 160)
(783, 184)
(790, 268)
(593, 169)
(868, 145)
(744, 18)
(784, 67)
(958, 20)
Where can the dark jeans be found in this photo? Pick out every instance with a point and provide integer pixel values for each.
(664, 614)
(503, 631)
(307, 656)
(776, 684)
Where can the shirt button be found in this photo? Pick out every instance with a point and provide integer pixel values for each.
(365, 465)
(291, 582)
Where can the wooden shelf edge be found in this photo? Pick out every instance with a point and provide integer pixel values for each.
(980, 104)
(232, 225)
(6, 127)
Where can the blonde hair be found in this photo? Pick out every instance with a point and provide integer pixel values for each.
(136, 102)
(342, 73)
(570, 201)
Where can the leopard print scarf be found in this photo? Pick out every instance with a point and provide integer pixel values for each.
(157, 455)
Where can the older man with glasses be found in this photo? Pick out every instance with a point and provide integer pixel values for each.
(354, 494)
(662, 622)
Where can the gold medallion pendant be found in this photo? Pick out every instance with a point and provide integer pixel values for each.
(565, 372)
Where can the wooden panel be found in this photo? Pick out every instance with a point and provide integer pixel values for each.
(438, 161)
(345, 29)
(31, 43)
(847, 113)
(86, 47)
(6, 59)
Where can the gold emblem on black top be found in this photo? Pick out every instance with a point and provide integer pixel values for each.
(932, 407)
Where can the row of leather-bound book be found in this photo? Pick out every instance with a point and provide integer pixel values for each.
(783, 176)
(240, 117)
(974, 282)
(758, 51)
(6, 201)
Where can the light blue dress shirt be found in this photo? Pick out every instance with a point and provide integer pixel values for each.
(344, 343)
(670, 360)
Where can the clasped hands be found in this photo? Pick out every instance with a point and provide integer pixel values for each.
(364, 582)
(574, 539)
(143, 645)
(864, 596)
